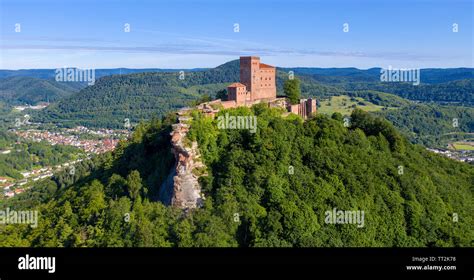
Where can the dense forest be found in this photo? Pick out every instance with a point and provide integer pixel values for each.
(351, 74)
(458, 92)
(432, 125)
(252, 199)
(136, 97)
(28, 90)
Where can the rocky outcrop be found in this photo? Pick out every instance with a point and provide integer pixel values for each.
(185, 189)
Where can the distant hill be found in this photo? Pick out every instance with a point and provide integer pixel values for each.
(145, 95)
(331, 75)
(21, 90)
(336, 75)
(460, 91)
(154, 92)
(431, 124)
(50, 73)
(454, 85)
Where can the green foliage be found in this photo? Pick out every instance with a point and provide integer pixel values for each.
(222, 94)
(460, 91)
(292, 90)
(432, 125)
(134, 184)
(139, 96)
(202, 99)
(21, 90)
(252, 198)
(380, 98)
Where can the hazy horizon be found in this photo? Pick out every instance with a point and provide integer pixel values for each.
(204, 68)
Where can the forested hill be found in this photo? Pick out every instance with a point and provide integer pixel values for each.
(457, 92)
(145, 95)
(410, 196)
(432, 125)
(50, 74)
(137, 96)
(334, 75)
(141, 96)
(21, 90)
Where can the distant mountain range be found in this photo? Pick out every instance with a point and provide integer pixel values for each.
(336, 75)
(50, 73)
(144, 95)
(139, 94)
(429, 75)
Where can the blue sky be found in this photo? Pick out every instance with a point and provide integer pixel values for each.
(189, 34)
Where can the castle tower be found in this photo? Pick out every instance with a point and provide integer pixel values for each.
(257, 82)
(249, 73)
(259, 78)
(237, 92)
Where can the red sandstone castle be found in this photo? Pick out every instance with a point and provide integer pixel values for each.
(257, 81)
(258, 84)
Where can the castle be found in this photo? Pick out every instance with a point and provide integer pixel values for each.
(258, 84)
(257, 81)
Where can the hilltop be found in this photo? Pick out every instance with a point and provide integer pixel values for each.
(252, 198)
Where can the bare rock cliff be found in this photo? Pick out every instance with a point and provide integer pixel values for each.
(185, 189)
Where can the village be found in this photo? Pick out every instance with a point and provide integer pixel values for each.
(92, 142)
(459, 155)
(106, 140)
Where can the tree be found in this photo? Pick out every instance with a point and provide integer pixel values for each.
(222, 94)
(272, 188)
(292, 90)
(134, 184)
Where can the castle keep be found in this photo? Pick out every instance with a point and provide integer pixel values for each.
(258, 84)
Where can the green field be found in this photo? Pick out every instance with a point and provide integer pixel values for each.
(468, 146)
(345, 105)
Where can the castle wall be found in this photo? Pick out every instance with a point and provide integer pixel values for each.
(229, 104)
(311, 107)
(305, 109)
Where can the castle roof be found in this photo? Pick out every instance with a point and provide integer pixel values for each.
(263, 65)
(236, 85)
